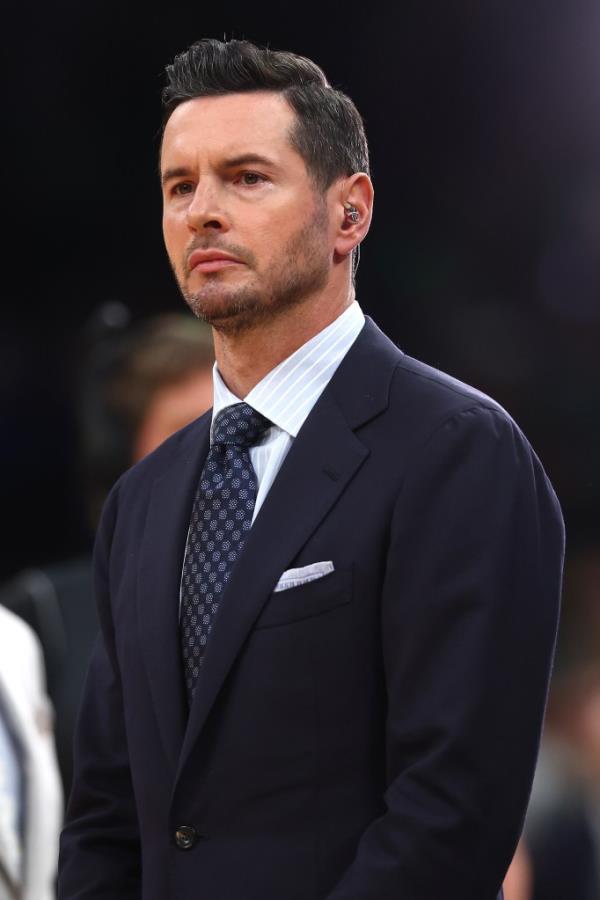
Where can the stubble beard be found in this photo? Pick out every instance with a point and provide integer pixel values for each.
(301, 270)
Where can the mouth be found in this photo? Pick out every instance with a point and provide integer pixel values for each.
(211, 261)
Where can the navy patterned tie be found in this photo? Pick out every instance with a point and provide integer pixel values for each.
(221, 516)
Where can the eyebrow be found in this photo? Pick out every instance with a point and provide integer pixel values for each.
(244, 159)
(178, 172)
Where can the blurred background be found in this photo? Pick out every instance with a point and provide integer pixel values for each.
(484, 260)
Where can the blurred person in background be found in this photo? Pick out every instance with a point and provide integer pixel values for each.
(563, 821)
(139, 385)
(31, 803)
(142, 385)
(376, 545)
(518, 883)
(563, 829)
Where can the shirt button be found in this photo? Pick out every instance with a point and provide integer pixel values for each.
(185, 837)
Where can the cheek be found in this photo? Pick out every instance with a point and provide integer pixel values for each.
(269, 237)
(173, 240)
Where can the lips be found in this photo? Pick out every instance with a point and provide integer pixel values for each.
(211, 260)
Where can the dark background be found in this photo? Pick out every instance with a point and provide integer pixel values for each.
(484, 256)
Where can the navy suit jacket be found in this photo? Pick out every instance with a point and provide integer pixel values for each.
(371, 735)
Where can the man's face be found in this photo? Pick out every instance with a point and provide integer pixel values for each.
(247, 233)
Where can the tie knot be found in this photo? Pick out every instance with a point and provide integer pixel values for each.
(239, 424)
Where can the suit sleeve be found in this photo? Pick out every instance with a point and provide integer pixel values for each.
(469, 615)
(100, 845)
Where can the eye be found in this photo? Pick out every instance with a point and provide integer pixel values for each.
(251, 178)
(182, 187)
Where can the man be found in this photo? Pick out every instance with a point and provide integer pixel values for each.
(343, 700)
(31, 805)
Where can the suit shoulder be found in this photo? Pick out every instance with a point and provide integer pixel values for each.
(438, 396)
(416, 399)
(425, 402)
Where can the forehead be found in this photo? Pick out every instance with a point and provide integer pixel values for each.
(230, 124)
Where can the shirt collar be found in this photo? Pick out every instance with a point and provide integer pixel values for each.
(313, 363)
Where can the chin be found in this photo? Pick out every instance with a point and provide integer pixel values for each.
(226, 310)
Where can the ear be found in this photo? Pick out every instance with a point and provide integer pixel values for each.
(354, 210)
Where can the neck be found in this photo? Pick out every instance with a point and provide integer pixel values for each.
(244, 358)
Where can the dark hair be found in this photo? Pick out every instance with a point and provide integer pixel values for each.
(329, 134)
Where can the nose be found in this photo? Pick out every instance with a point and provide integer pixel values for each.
(206, 211)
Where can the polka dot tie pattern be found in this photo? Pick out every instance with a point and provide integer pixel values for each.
(221, 517)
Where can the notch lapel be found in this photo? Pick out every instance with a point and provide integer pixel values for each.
(326, 455)
(163, 547)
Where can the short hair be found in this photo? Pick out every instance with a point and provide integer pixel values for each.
(329, 133)
(162, 351)
(121, 376)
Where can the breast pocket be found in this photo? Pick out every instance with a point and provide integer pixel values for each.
(307, 600)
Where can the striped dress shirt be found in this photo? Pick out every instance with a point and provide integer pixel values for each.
(288, 392)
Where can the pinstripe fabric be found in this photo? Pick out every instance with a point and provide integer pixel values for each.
(288, 392)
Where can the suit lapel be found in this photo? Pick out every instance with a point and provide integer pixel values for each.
(162, 552)
(321, 462)
(326, 457)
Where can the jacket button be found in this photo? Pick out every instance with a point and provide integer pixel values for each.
(185, 837)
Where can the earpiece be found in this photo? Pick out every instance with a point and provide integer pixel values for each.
(352, 214)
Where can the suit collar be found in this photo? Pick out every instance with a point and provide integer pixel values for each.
(288, 392)
(361, 385)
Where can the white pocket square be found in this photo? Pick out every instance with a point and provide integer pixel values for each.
(295, 577)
